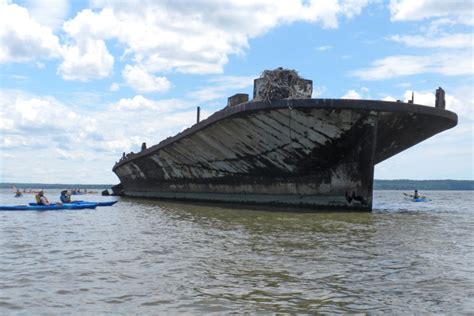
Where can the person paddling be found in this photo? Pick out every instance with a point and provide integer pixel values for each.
(41, 199)
(415, 196)
(65, 197)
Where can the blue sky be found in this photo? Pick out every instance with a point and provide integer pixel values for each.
(83, 81)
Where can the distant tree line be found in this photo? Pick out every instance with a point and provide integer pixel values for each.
(378, 185)
(423, 185)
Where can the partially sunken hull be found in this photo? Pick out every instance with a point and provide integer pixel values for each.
(314, 154)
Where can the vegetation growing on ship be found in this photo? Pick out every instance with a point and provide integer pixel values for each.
(279, 84)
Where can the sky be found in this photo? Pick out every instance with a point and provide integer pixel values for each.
(83, 81)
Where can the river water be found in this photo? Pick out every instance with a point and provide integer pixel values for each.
(150, 257)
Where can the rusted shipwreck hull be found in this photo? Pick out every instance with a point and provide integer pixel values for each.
(315, 154)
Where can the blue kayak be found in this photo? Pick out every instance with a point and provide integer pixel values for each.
(108, 203)
(52, 207)
(420, 198)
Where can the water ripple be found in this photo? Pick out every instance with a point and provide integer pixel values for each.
(149, 257)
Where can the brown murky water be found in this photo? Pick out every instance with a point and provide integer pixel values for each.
(148, 257)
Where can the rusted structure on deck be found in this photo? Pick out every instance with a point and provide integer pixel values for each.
(282, 149)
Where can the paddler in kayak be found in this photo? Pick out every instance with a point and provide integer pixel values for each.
(65, 197)
(414, 196)
(41, 199)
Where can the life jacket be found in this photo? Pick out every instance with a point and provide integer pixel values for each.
(41, 202)
(65, 198)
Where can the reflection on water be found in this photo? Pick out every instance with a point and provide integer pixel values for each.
(143, 256)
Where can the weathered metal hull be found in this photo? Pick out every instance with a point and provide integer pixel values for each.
(317, 154)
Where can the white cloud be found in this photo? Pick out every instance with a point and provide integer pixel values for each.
(324, 47)
(6, 124)
(403, 85)
(141, 103)
(449, 64)
(155, 37)
(24, 114)
(47, 133)
(114, 87)
(353, 7)
(222, 87)
(131, 121)
(85, 54)
(51, 13)
(420, 97)
(389, 98)
(408, 10)
(462, 102)
(141, 81)
(19, 77)
(88, 60)
(460, 40)
(69, 154)
(43, 133)
(16, 141)
(191, 37)
(351, 94)
(22, 38)
(26, 124)
(4, 155)
(318, 91)
(97, 25)
(437, 26)
(456, 58)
